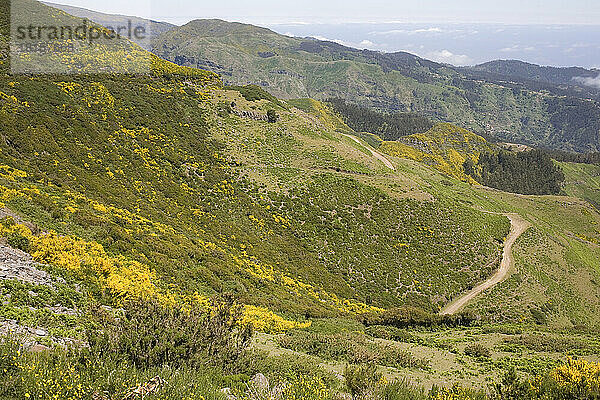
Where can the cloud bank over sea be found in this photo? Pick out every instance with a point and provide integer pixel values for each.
(465, 44)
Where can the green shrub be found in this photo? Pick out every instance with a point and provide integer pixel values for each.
(255, 93)
(335, 325)
(224, 108)
(151, 334)
(401, 390)
(78, 373)
(18, 241)
(503, 329)
(361, 379)
(285, 367)
(407, 316)
(9, 353)
(511, 387)
(478, 351)
(401, 317)
(392, 333)
(456, 392)
(354, 348)
(272, 116)
(547, 343)
(538, 316)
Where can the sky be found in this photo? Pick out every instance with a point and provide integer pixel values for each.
(459, 32)
(340, 11)
(465, 43)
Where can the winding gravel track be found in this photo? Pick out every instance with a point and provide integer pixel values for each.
(377, 155)
(518, 227)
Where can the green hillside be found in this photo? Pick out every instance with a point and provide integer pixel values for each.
(130, 156)
(250, 202)
(302, 67)
(532, 72)
(164, 234)
(583, 181)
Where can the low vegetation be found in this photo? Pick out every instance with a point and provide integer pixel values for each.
(353, 348)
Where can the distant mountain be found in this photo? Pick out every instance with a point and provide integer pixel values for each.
(533, 72)
(103, 55)
(510, 108)
(155, 28)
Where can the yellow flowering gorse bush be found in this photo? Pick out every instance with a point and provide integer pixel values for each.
(125, 278)
(121, 276)
(263, 320)
(578, 373)
(454, 393)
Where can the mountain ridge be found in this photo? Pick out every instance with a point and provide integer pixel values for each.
(548, 74)
(526, 111)
(154, 28)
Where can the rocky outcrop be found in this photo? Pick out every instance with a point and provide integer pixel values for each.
(250, 115)
(20, 266)
(16, 264)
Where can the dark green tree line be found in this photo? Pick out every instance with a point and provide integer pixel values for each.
(531, 172)
(388, 126)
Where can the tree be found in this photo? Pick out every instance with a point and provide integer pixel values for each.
(272, 116)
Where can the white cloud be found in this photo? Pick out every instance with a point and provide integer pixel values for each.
(582, 45)
(428, 30)
(592, 82)
(338, 41)
(365, 44)
(447, 57)
(409, 31)
(292, 23)
(517, 48)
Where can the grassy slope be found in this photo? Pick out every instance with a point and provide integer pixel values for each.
(565, 266)
(556, 271)
(298, 67)
(528, 348)
(583, 181)
(298, 155)
(327, 214)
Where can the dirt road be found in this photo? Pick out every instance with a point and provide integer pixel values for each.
(377, 155)
(518, 227)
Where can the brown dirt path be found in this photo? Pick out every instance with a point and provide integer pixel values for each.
(375, 154)
(518, 227)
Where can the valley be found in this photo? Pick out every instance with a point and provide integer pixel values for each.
(172, 234)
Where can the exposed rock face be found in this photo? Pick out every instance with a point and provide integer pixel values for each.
(29, 337)
(16, 264)
(260, 382)
(250, 115)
